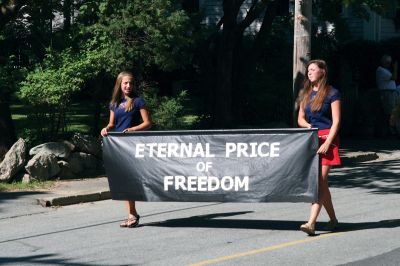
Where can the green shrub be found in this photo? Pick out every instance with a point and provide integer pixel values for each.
(166, 112)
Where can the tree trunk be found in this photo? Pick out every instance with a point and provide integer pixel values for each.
(246, 63)
(67, 14)
(302, 47)
(99, 94)
(223, 92)
(7, 132)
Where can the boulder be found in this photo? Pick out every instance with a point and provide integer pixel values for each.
(83, 164)
(75, 162)
(14, 161)
(26, 178)
(65, 170)
(59, 149)
(43, 166)
(87, 144)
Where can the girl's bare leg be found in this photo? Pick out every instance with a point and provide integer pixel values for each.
(324, 198)
(131, 209)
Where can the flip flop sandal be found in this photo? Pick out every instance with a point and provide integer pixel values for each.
(131, 222)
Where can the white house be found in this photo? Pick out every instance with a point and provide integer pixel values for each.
(377, 28)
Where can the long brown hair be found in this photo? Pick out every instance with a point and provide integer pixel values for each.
(323, 87)
(117, 92)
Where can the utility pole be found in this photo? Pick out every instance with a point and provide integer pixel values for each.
(301, 48)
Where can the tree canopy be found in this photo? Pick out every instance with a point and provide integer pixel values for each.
(105, 38)
(52, 50)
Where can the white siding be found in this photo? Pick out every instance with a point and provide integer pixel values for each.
(376, 28)
(388, 29)
(372, 28)
(355, 27)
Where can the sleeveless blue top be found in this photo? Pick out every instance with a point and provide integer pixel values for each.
(323, 118)
(124, 120)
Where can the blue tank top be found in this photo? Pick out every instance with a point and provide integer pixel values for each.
(124, 120)
(323, 118)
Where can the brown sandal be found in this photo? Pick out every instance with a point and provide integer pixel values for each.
(131, 222)
(308, 228)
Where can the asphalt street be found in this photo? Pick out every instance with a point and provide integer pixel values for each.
(365, 195)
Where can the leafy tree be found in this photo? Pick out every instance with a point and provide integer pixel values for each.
(110, 36)
(138, 34)
(167, 112)
(7, 136)
(48, 89)
(26, 30)
(134, 35)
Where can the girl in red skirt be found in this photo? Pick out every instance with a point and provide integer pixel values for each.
(320, 108)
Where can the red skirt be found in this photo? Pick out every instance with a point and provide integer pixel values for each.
(332, 155)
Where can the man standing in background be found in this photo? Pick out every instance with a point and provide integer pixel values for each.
(386, 82)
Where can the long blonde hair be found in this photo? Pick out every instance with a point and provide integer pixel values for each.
(117, 92)
(323, 87)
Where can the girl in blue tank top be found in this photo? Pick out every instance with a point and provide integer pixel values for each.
(124, 105)
(320, 108)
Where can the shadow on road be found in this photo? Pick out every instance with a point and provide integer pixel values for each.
(377, 176)
(385, 146)
(18, 198)
(209, 221)
(18, 194)
(44, 259)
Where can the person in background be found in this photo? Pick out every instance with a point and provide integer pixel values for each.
(320, 107)
(385, 78)
(386, 83)
(124, 105)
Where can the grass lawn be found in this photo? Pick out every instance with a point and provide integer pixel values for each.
(80, 118)
(32, 186)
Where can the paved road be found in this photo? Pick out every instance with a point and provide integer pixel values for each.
(366, 197)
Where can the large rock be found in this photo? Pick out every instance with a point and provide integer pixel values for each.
(83, 164)
(43, 166)
(65, 170)
(59, 149)
(13, 161)
(26, 178)
(75, 162)
(87, 144)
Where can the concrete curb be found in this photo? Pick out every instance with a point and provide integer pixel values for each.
(358, 157)
(73, 199)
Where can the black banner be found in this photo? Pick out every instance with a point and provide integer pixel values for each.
(261, 165)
